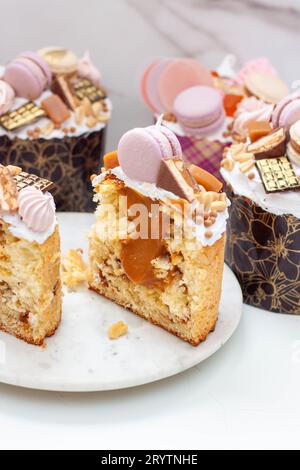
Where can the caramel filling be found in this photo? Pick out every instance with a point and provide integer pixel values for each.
(137, 254)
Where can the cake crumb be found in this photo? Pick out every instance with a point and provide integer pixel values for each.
(74, 270)
(120, 328)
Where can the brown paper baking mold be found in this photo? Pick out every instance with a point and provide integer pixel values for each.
(68, 162)
(263, 250)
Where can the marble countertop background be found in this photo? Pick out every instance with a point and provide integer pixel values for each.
(123, 34)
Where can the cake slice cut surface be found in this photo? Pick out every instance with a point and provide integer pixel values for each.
(30, 286)
(157, 253)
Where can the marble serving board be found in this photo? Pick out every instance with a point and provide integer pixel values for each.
(80, 357)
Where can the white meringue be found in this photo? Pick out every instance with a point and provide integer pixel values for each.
(86, 69)
(36, 209)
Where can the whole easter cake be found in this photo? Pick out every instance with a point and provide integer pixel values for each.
(53, 116)
(157, 246)
(262, 170)
(196, 104)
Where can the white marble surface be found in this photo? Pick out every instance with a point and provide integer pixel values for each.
(123, 34)
(81, 358)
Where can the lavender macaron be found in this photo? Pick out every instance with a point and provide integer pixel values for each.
(199, 110)
(141, 151)
(28, 75)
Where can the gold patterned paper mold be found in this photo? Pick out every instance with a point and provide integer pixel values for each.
(263, 250)
(277, 174)
(22, 116)
(84, 88)
(68, 162)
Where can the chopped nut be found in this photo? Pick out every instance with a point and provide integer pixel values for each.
(170, 117)
(97, 108)
(208, 222)
(117, 329)
(14, 170)
(103, 117)
(251, 176)
(79, 115)
(72, 130)
(91, 122)
(219, 206)
(87, 107)
(74, 269)
(246, 166)
(227, 164)
(48, 128)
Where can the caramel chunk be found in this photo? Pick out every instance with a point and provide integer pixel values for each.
(258, 129)
(56, 109)
(231, 102)
(110, 160)
(205, 179)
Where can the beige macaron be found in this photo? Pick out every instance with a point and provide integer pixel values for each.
(267, 87)
(59, 59)
(293, 148)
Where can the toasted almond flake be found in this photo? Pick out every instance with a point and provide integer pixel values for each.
(208, 234)
(219, 206)
(246, 166)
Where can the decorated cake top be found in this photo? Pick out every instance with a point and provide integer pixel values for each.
(51, 93)
(150, 162)
(263, 163)
(201, 103)
(26, 205)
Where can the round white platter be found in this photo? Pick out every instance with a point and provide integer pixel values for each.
(81, 358)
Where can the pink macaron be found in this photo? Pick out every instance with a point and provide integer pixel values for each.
(287, 111)
(28, 75)
(141, 151)
(149, 84)
(200, 110)
(179, 75)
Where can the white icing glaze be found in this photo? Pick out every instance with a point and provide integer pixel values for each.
(154, 192)
(287, 202)
(20, 230)
(218, 135)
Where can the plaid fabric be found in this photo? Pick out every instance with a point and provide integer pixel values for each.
(203, 152)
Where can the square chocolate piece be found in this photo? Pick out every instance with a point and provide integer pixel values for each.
(22, 116)
(277, 174)
(24, 179)
(84, 88)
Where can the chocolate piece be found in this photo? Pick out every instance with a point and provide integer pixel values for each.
(175, 177)
(23, 179)
(272, 145)
(277, 174)
(22, 116)
(56, 109)
(8, 191)
(84, 88)
(61, 87)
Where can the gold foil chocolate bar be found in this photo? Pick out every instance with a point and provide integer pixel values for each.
(277, 174)
(24, 179)
(22, 116)
(84, 88)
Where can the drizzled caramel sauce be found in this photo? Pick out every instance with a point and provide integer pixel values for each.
(137, 254)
